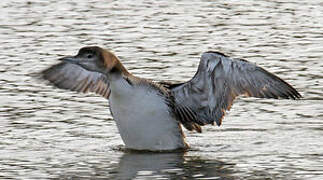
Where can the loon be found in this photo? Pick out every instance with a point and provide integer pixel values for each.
(150, 115)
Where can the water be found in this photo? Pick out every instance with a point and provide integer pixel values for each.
(46, 132)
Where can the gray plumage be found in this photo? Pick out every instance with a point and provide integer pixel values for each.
(218, 81)
(202, 100)
(73, 77)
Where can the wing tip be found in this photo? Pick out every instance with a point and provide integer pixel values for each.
(290, 93)
(296, 96)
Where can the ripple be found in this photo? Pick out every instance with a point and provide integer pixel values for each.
(51, 133)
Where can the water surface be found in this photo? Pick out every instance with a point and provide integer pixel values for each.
(46, 132)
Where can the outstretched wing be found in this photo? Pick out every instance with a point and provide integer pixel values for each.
(218, 81)
(73, 77)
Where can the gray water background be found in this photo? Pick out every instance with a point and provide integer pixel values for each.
(46, 132)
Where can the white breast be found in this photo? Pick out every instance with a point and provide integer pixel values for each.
(143, 118)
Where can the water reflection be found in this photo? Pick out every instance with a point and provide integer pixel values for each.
(158, 166)
(145, 166)
(171, 166)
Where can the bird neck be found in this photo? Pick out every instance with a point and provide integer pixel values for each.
(113, 64)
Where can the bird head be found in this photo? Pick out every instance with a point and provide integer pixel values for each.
(94, 58)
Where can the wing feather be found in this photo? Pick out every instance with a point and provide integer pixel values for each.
(218, 81)
(70, 76)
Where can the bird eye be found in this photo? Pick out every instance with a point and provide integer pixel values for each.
(89, 56)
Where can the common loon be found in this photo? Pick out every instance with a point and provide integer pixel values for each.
(149, 114)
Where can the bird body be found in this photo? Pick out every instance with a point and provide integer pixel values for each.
(144, 120)
(149, 115)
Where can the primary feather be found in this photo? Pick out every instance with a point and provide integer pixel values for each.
(218, 81)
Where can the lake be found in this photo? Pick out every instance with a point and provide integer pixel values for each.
(48, 133)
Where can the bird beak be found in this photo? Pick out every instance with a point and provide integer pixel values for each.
(70, 59)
